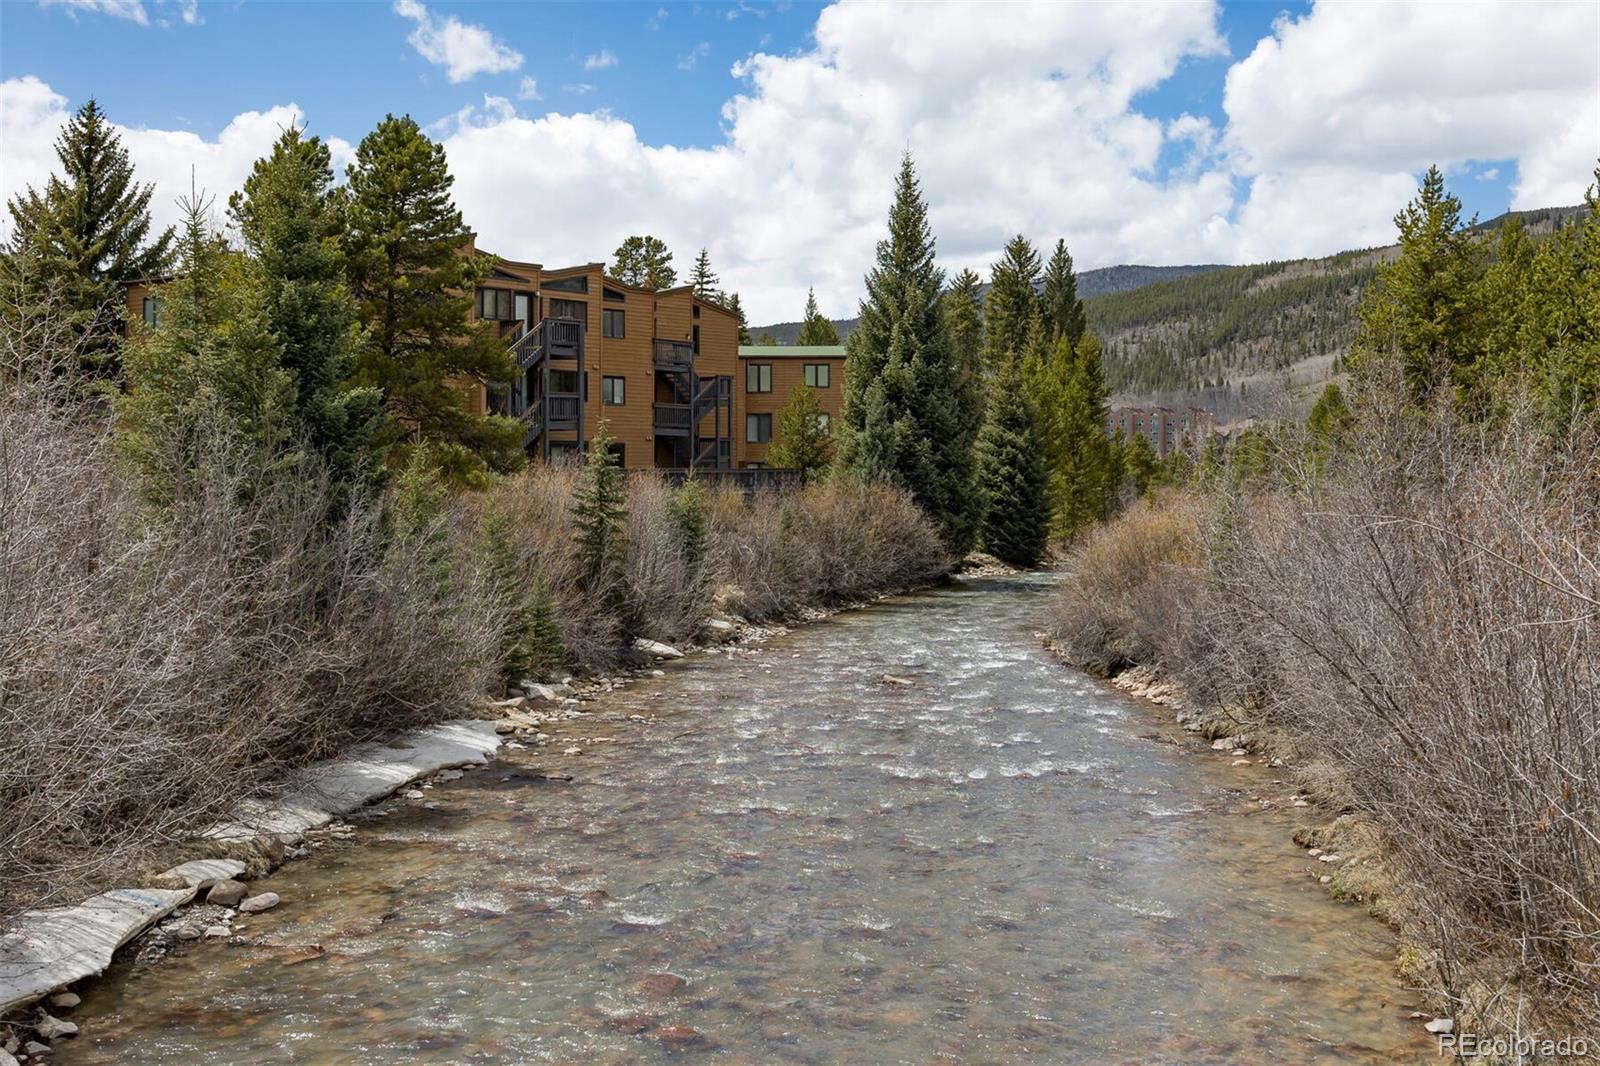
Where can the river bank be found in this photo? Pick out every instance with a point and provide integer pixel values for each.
(203, 895)
(780, 852)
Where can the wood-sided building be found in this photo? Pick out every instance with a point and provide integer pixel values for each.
(770, 373)
(657, 368)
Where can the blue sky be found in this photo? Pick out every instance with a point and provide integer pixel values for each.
(701, 112)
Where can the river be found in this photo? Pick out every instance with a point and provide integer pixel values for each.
(1004, 861)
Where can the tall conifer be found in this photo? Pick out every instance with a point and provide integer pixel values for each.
(1012, 479)
(903, 419)
(814, 329)
(1012, 299)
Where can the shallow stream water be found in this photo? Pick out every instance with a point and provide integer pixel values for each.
(1004, 861)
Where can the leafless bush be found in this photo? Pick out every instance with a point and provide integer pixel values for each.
(156, 666)
(832, 542)
(1126, 586)
(1423, 619)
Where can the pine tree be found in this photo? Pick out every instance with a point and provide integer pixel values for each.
(1080, 452)
(962, 308)
(814, 329)
(1011, 302)
(599, 510)
(291, 220)
(1562, 322)
(530, 638)
(1063, 311)
(688, 510)
(207, 391)
(413, 285)
(738, 312)
(963, 315)
(645, 262)
(903, 420)
(802, 441)
(704, 280)
(1423, 309)
(85, 233)
(1012, 480)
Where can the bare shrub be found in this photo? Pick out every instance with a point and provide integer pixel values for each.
(1422, 618)
(1127, 584)
(668, 590)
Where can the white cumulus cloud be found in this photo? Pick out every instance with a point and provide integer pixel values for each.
(464, 50)
(600, 60)
(132, 10)
(1034, 123)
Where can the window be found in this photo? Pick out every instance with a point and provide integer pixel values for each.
(614, 391)
(758, 377)
(614, 296)
(611, 323)
(565, 383)
(817, 375)
(152, 311)
(757, 428)
(577, 284)
(496, 305)
(569, 309)
(822, 423)
(696, 340)
(697, 310)
(520, 306)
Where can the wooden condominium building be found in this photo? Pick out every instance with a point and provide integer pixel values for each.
(771, 373)
(658, 368)
(663, 370)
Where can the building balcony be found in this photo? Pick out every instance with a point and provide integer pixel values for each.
(674, 354)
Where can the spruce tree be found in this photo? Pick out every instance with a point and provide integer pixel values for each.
(802, 442)
(814, 329)
(1063, 311)
(704, 279)
(405, 245)
(87, 232)
(903, 419)
(599, 510)
(1080, 451)
(1423, 309)
(645, 262)
(738, 312)
(1012, 299)
(207, 393)
(962, 308)
(1012, 480)
(290, 217)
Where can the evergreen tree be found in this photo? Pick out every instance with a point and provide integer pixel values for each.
(802, 440)
(1423, 310)
(207, 391)
(530, 638)
(1012, 480)
(1561, 329)
(903, 420)
(963, 315)
(738, 312)
(644, 261)
(1138, 464)
(1071, 394)
(1012, 300)
(814, 329)
(1063, 311)
(688, 510)
(413, 285)
(766, 338)
(599, 510)
(87, 232)
(291, 220)
(704, 280)
(962, 308)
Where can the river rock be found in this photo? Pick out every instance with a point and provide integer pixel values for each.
(573, 751)
(227, 893)
(657, 649)
(216, 932)
(35, 1050)
(256, 904)
(1441, 1026)
(54, 1028)
(6, 1058)
(549, 693)
(893, 679)
(658, 985)
(65, 1000)
(1226, 743)
(678, 1037)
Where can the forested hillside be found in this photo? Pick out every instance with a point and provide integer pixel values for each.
(1090, 283)
(1230, 339)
